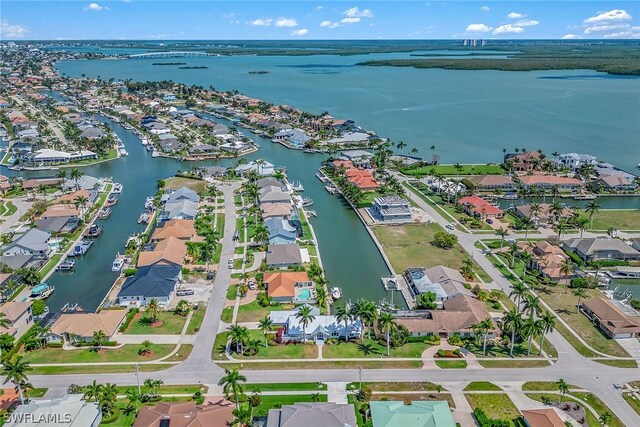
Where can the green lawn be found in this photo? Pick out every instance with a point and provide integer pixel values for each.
(172, 324)
(542, 386)
(126, 353)
(632, 401)
(7, 208)
(285, 387)
(50, 265)
(619, 219)
(371, 348)
(495, 405)
(618, 363)
(599, 406)
(313, 364)
(196, 319)
(515, 363)
(253, 311)
(168, 389)
(397, 386)
(481, 386)
(273, 351)
(451, 364)
(478, 169)
(410, 246)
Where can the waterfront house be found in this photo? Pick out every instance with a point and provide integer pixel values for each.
(276, 210)
(573, 161)
(270, 181)
(543, 417)
(92, 132)
(5, 184)
(182, 209)
(321, 328)
(283, 255)
(85, 182)
(182, 193)
(81, 326)
(214, 172)
(58, 225)
(280, 231)
(443, 281)
(601, 248)
(71, 410)
(61, 211)
(186, 414)
(327, 414)
(280, 317)
(359, 158)
(544, 216)
(16, 262)
(273, 194)
(362, 178)
(170, 144)
(151, 281)
(615, 183)
(390, 209)
(614, 318)
(351, 138)
(262, 168)
(492, 183)
(526, 161)
(289, 286)
(546, 258)
(478, 207)
(169, 251)
(20, 318)
(34, 242)
(418, 414)
(548, 182)
(459, 315)
(182, 229)
(295, 137)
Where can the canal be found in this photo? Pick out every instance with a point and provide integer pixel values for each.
(350, 258)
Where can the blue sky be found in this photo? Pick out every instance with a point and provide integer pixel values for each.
(171, 20)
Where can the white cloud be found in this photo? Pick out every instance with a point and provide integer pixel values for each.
(605, 27)
(95, 7)
(350, 20)
(300, 32)
(634, 33)
(570, 37)
(12, 31)
(526, 23)
(612, 15)
(261, 22)
(158, 36)
(508, 28)
(319, 7)
(329, 24)
(478, 28)
(485, 8)
(515, 15)
(354, 12)
(286, 22)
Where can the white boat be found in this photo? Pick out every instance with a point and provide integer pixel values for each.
(307, 201)
(123, 152)
(117, 264)
(67, 264)
(117, 188)
(336, 293)
(297, 186)
(585, 197)
(144, 141)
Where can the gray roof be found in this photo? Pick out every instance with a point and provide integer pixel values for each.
(72, 407)
(313, 415)
(85, 182)
(591, 245)
(93, 132)
(34, 239)
(281, 317)
(273, 193)
(445, 282)
(280, 227)
(269, 182)
(15, 261)
(180, 209)
(152, 281)
(284, 254)
(183, 193)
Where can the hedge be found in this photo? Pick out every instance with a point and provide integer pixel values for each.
(485, 421)
(20, 342)
(609, 263)
(111, 418)
(127, 321)
(91, 344)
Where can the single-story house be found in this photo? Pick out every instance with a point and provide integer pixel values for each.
(614, 318)
(544, 216)
(321, 328)
(280, 317)
(72, 408)
(394, 413)
(16, 262)
(390, 209)
(289, 286)
(543, 417)
(546, 258)
(280, 231)
(182, 209)
(170, 251)
(268, 182)
(61, 210)
(214, 171)
(492, 182)
(183, 193)
(262, 168)
(601, 248)
(458, 316)
(151, 281)
(283, 255)
(276, 210)
(34, 242)
(82, 325)
(477, 206)
(549, 181)
(326, 414)
(350, 138)
(443, 281)
(616, 183)
(60, 225)
(182, 229)
(186, 414)
(18, 313)
(273, 194)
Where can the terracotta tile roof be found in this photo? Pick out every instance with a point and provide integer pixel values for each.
(612, 317)
(71, 197)
(182, 229)
(85, 324)
(482, 180)
(55, 211)
(14, 309)
(549, 180)
(186, 414)
(479, 205)
(275, 209)
(170, 249)
(545, 417)
(283, 284)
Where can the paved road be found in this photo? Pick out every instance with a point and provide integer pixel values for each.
(199, 368)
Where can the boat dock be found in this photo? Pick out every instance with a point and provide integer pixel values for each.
(397, 283)
(624, 273)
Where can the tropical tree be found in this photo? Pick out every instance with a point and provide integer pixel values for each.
(467, 268)
(99, 337)
(387, 324)
(592, 208)
(502, 233)
(265, 325)
(15, 370)
(580, 293)
(511, 323)
(581, 223)
(81, 202)
(145, 347)
(182, 308)
(531, 305)
(305, 316)
(107, 398)
(605, 418)
(343, 314)
(548, 323)
(92, 391)
(75, 175)
(239, 336)
(231, 382)
(531, 328)
(482, 328)
(29, 275)
(519, 291)
(242, 417)
(563, 388)
(153, 309)
(561, 227)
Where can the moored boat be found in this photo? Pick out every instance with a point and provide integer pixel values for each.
(117, 265)
(104, 213)
(336, 293)
(67, 264)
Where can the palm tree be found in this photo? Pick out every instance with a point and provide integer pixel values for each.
(242, 417)
(566, 269)
(99, 338)
(401, 145)
(15, 370)
(518, 290)
(81, 202)
(531, 305)
(548, 322)
(62, 174)
(592, 208)
(231, 382)
(531, 328)
(534, 210)
(153, 309)
(483, 329)
(605, 418)
(581, 222)
(75, 175)
(305, 316)
(580, 293)
(4, 324)
(261, 235)
(321, 295)
(92, 391)
(265, 325)
(42, 189)
(343, 314)
(107, 398)
(563, 388)
(511, 322)
(502, 233)
(561, 227)
(387, 324)
(239, 336)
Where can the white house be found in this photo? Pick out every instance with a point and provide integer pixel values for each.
(319, 329)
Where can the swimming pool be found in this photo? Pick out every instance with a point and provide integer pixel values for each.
(304, 295)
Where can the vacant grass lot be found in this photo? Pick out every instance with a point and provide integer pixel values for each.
(628, 219)
(273, 351)
(126, 353)
(253, 311)
(452, 171)
(417, 386)
(371, 348)
(92, 369)
(314, 387)
(515, 363)
(410, 246)
(272, 401)
(176, 182)
(172, 324)
(408, 398)
(495, 405)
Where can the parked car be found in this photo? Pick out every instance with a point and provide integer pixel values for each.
(489, 221)
(252, 285)
(230, 263)
(450, 226)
